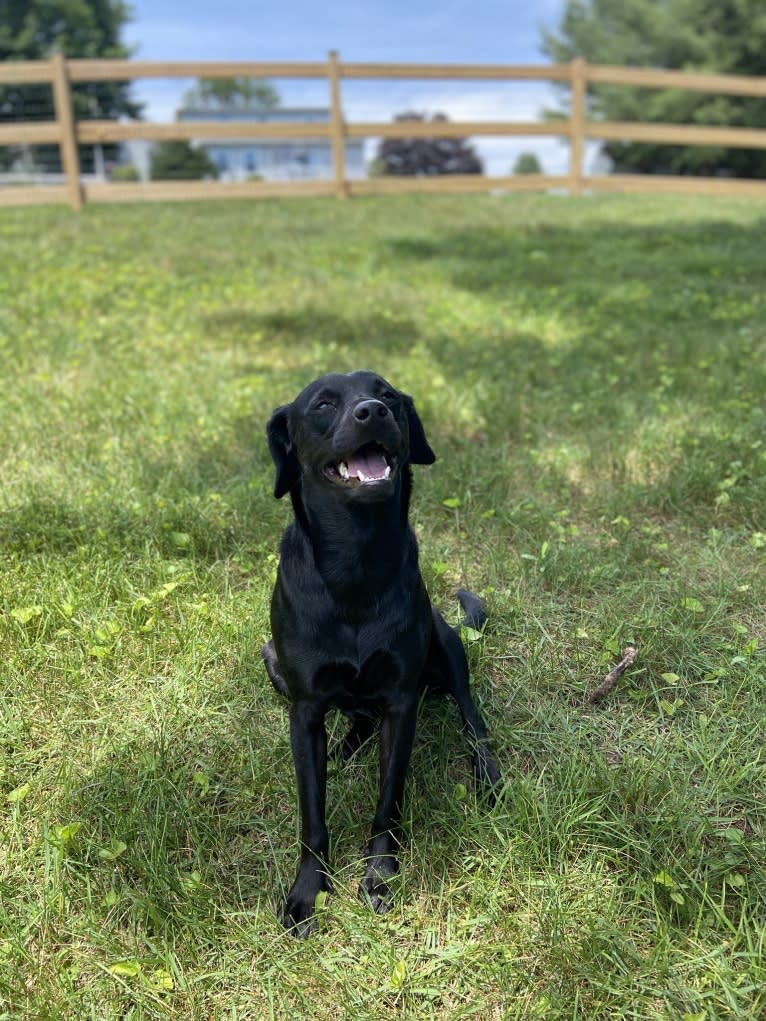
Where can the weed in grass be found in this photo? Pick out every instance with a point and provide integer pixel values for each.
(591, 374)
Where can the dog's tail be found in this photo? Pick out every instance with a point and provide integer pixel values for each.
(473, 607)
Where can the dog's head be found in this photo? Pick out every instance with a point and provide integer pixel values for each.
(354, 434)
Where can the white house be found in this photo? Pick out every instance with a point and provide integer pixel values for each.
(274, 159)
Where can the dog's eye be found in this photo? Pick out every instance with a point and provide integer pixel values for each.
(322, 405)
(389, 395)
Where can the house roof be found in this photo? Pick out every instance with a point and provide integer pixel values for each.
(279, 114)
(254, 113)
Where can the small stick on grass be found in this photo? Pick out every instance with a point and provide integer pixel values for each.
(629, 654)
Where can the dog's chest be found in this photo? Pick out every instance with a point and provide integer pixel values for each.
(351, 686)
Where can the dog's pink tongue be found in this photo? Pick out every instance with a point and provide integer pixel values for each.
(372, 466)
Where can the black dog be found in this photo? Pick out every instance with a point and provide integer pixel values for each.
(352, 624)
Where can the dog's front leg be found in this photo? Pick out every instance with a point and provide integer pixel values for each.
(308, 740)
(397, 734)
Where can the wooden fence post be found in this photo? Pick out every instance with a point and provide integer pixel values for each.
(70, 160)
(337, 129)
(577, 116)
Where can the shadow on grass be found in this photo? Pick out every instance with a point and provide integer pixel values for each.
(312, 324)
(204, 821)
(204, 833)
(538, 256)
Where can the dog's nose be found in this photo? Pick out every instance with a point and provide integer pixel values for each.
(366, 411)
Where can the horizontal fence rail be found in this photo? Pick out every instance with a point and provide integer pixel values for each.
(68, 133)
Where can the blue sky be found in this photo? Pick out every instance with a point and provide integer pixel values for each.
(457, 31)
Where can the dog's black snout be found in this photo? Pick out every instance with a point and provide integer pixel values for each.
(370, 409)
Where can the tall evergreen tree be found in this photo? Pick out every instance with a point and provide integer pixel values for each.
(35, 29)
(722, 36)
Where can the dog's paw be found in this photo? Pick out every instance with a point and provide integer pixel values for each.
(377, 894)
(299, 919)
(487, 777)
(374, 888)
(299, 915)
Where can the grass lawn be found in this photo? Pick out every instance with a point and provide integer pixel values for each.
(592, 376)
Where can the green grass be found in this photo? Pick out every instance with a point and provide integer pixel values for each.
(592, 376)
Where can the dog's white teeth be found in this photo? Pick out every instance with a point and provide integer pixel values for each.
(361, 476)
(387, 472)
(343, 469)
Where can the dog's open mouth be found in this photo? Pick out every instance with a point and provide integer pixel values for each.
(369, 465)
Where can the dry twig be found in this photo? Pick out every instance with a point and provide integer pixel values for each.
(629, 654)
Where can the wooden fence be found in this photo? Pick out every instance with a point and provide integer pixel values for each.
(577, 128)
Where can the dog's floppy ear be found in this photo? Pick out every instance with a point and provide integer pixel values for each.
(420, 451)
(282, 451)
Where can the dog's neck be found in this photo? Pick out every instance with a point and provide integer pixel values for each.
(356, 546)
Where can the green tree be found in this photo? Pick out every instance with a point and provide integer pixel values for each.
(33, 30)
(725, 36)
(527, 163)
(180, 161)
(240, 93)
